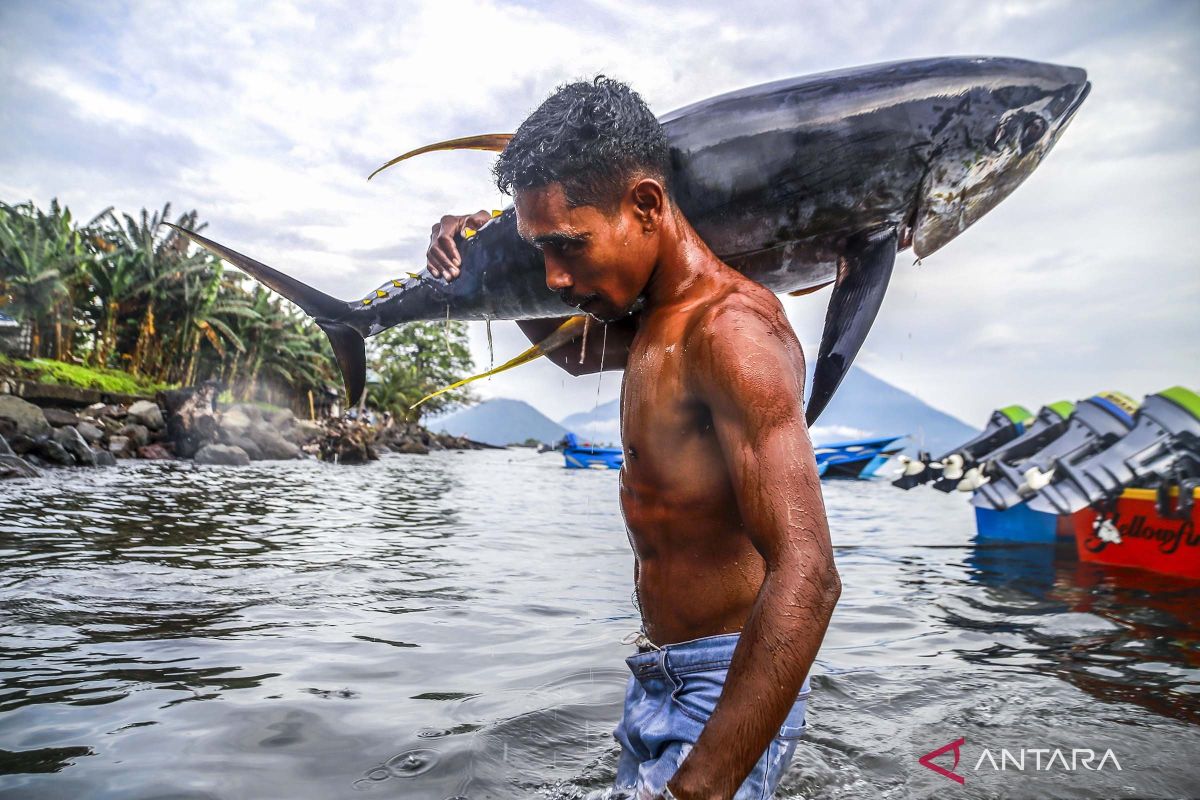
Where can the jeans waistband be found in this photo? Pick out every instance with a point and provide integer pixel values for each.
(693, 655)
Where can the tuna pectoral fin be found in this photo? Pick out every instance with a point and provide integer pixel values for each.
(862, 280)
(350, 350)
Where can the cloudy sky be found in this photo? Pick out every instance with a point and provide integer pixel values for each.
(267, 117)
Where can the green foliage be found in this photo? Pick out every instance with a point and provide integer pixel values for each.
(58, 372)
(127, 297)
(411, 361)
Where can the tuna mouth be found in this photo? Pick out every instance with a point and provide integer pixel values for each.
(1075, 104)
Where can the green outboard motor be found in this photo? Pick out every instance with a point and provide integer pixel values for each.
(1166, 431)
(1094, 424)
(1049, 424)
(1003, 426)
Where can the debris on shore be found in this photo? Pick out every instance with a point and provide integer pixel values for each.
(189, 424)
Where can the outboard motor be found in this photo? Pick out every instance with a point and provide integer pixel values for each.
(1094, 424)
(1003, 426)
(915, 471)
(1048, 425)
(1166, 431)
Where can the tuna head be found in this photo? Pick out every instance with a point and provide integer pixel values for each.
(988, 138)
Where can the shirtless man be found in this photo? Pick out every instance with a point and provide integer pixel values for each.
(733, 569)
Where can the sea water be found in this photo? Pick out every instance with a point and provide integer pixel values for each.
(450, 626)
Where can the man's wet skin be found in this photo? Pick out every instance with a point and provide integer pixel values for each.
(719, 488)
(697, 571)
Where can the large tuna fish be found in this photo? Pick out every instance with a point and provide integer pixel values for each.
(797, 183)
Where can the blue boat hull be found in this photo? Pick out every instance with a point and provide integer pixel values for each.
(1019, 523)
(597, 458)
(578, 455)
(856, 459)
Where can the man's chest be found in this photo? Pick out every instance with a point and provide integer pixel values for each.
(660, 411)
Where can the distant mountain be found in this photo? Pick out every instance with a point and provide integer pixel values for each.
(500, 421)
(864, 406)
(601, 425)
(869, 406)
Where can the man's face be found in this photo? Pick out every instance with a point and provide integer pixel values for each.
(595, 261)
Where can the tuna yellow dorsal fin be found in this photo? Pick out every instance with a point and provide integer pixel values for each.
(563, 334)
(494, 142)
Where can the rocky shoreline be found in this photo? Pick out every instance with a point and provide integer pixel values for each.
(187, 424)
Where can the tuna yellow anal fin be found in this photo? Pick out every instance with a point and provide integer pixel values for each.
(564, 333)
(495, 142)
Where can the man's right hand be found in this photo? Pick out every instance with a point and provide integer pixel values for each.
(442, 258)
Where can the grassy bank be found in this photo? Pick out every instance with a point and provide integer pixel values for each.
(44, 370)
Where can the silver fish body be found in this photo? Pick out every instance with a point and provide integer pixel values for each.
(796, 183)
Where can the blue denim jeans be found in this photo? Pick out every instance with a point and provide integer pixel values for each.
(670, 696)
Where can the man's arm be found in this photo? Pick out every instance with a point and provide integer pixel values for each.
(604, 347)
(750, 373)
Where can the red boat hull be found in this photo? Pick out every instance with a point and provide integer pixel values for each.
(1146, 540)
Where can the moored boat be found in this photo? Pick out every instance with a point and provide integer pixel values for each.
(585, 455)
(860, 458)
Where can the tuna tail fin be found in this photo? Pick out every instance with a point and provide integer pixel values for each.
(862, 280)
(348, 345)
(350, 349)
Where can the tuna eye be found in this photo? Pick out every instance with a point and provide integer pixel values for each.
(1002, 134)
(1032, 133)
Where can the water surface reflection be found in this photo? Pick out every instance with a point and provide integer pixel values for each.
(442, 626)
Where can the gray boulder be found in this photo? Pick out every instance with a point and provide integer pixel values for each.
(90, 433)
(154, 452)
(303, 431)
(5, 450)
(105, 410)
(58, 418)
(235, 421)
(103, 458)
(29, 418)
(52, 452)
(73, 443)
(148, 414)
(223, 455)
(20, 443)
(272, 444)
(121, 447)
(140, 434)
(191, 422)
(246, 443)
(16, 467)
(281, 419)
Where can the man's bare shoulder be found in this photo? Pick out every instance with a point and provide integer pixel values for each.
(739, 337)
(742, 315)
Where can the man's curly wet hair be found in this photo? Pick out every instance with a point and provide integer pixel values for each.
(590, 137)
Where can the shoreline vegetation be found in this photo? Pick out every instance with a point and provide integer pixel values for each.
(128, 345)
